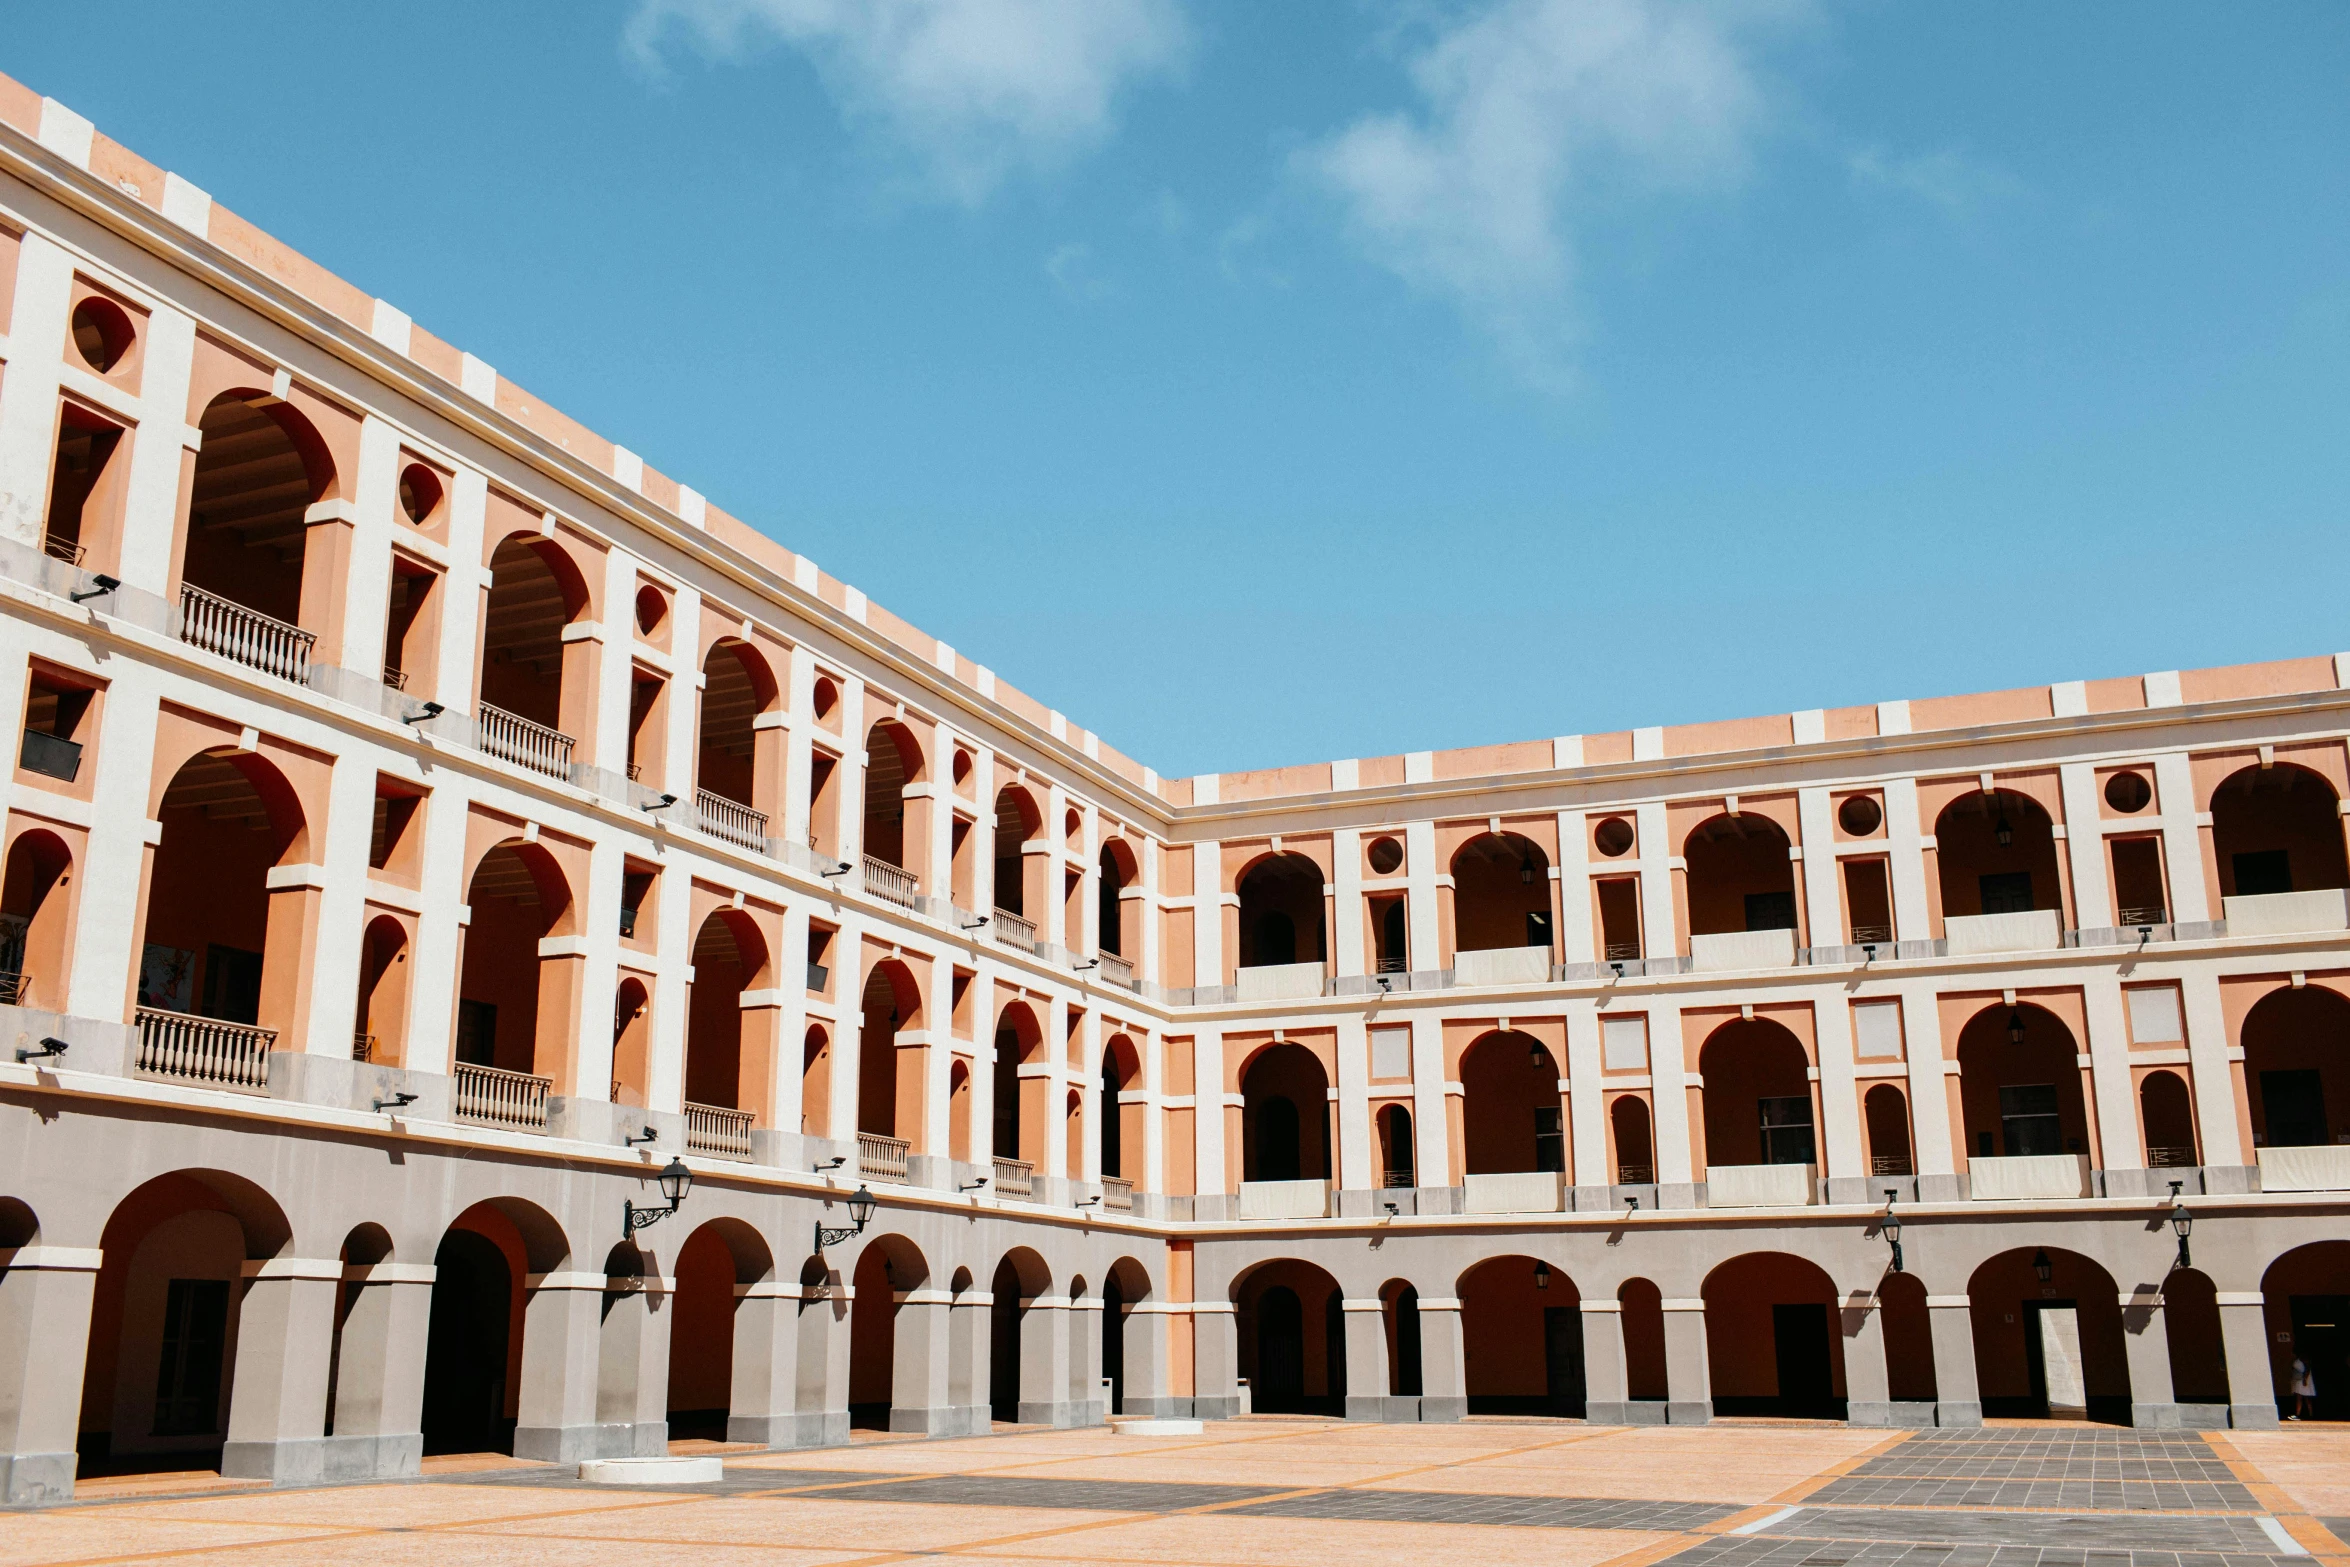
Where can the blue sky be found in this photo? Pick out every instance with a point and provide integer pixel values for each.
(1267, 383)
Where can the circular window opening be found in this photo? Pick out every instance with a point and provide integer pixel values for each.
(826, 697)
(420, 492)
(1613, 836)
(1386, 856)
(651, 610)
(1860, 815)
(2127, 792)
(102, 333)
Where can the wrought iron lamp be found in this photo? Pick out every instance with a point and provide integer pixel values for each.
(676, 1180)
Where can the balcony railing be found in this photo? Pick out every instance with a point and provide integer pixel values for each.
(1117, 1194)
(50, 756)
(492, 1096)
(249, 637)
(1015, 1178)
(58, 547)
(892, 882)
(2171, 1159)
(204, 1050)
(1890, 1164)
(730, 821)
(14, 987)
(2148, 914)
(362, 1047)
(1635, 1175)
(1013, 931)
(714, 1130)
(513, 738)
(882, 1158)
(1118, 971)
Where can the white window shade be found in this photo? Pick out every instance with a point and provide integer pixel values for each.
(1876, 1030)
(2154, 1016)
(1624, 1043)
(1391, 1052)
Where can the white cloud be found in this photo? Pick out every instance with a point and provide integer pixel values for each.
(973, 89)
(1530, 111)
(1949, 179)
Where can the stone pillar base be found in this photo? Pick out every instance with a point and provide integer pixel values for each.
(36, 1477)
(1224, 1407)
(572, 1444)
(2202, 1417)
(1904, 1416)
(2154, 1417)
(295, 1461)
(1160, 1408)
(1693, 1412)
(941, 1421)
(1385, 1409)
(375, 1457)
(1958, 1414)
(1631, 1412)
(1443, 1410)
(2253, 1417)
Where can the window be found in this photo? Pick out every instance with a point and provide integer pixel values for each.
(2028, 1121)
(2006, 892)
(408, 626)
(1867, 904)
(55, 716)
(2154, 1015)
(1786, 1129)
(819, 944)
(85, 486)
(2261, 872)
(1876, 1031)
(1623, 1043)
(1619, 919)
(232, 984)
(1550, 1140)
(634, 886)
(2293, 1105)
(395, 814)
(1391, 1052)
(477, 1033)
(195, 1336)
(1770, 910)
(2137, 880)
(1391, 935)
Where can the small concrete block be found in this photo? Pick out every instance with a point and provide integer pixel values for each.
(652, 1471)
(1157, 1427)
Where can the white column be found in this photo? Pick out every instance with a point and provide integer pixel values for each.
(455, 664)
(1929, 1097)
(1578, 942)
(28, 417)
(2182, 837)
(1207, 916)
(681, 767)
(1207, 1116)
(1823, 899)
(343, 842)
(1659, 921)
(1354, 1102)
(107, 938)
(1420, 870)
(2084, 842)
(615, 670)
(1430, 1125)
(2208, 1055)
(1346, 850)
(1906, 860)
(851, 780)
(367, 587)
(1586, 1111)
(669, 983)
(1667, 1076)
(2108, 1047)
(1841, 1148)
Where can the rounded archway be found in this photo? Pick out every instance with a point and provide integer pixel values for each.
(1522, 1330)
(729, 958)
(261, 467)
(528, 670)
(1018, 823)
(1759, 1100)
(716, 1257)
(1292, 1324)
(1399, 1317)
(1020, 1278)
(508, 994)
(2048, 1337)
(2277, 829)
(1019, 1100)
(1773, 1339)
(887, 1266)
(2305, 1297)
(1127, 1282)
(2297, 1067)
(893, 763)
(1284, 1118)
(2019, 1079)
(1885, 1121)
(740, 761)
(1121, 1123)
(2166, 1116)
(1500, 894)
(1996, 854)
(1513, 1115)
(1118, 872)
(1629, 1140)
(1740, 876)
(891, 1002)
(1398, 1157)
(36, 920)
(1641, 1305)
(380, 1020)
(816, 1082)
(1280, 911)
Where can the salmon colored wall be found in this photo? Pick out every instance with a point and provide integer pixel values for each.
(1997, 1293)
(1742, 1062)
(2292, 1030)
(1644, 1339)
(1730, 734)
(158, 1201)
(701, 1333)
(2053, 1030)
(42, 883)
(1502, 1329)
(1739, 1334)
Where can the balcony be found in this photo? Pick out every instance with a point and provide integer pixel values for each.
(1281, 982)
(362, 1047)
(1761, 1185)
(2288, 913)
(730, 821)
(14, 987)
(882, 1158)
(1015, 1178)
(50, 756)
(712, 1129)
(245, 636)
(892, 884)
(2320, 1168)
(1284, 1199)
(1522, 1191)
(203, 1050)
(2027, 930)
(2026, 1177)
(1013, 931)
(1117, 971)
(1742, 949)
(512, 738)
(1502, 966)
(491, 1096)
(1117, 1195)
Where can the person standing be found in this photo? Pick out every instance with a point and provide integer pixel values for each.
(2304, 1391)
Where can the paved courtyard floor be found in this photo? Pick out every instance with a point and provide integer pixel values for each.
(1294, 1493)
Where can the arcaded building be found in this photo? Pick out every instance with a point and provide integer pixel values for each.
(430, 826)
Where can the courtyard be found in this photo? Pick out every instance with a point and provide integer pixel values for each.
(1268, 1492)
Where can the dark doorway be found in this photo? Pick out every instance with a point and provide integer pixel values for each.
(2321, 1337)
(2035, 1353)
(1799, 1338)
(1562, 1358)
(1276, 1140)
(1334, 1349)
(1281, 1352)
(466, 1348)
(2294, 1105)
(187, 1377)
(1407, 1343)
(1003, 1343)
(232, 984)
(1113, 1141)
(1114, 1343)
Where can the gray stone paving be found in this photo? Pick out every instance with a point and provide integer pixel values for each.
(1539, 1512)
(1109, 1496)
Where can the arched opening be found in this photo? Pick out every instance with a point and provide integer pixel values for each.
(2306, 1307)
(2297, 1067)
(1281, 912)
(1885, 1114)
(528, 671)
(514, 1006)
(1513, 1115)
(1019, 1101)
(1018, 823)
(1758, 1098)
(730, 957)
(468, 1371)
(1121, 1135)
(1996, 853)
(740, 761)
(36, 920)
(1906, 1324)
(1118, 872)
(1628, 1135)
(1522, 1329)
(1501, 894)
(1292, 1339)
(2190, 1323)
(1073, 1133)
(959, 1111)
(228, 819)
(2275, 830)
(159, 1378)
(1397, 1156)
(1020, 1279)
(1741, 877)
(1773, 1339)
(2019, 1080)
(2167, 1117)
(259, 470)
(1642, 1306)
(893, 760)
(380, 1020)
(632, 1043)
(891, 1002)
(889, 1265)
(1400, 1316)
(715, 1259)
(1128, 1282)
(816, 1083)
(1284, 1119)
(2048, 1337)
